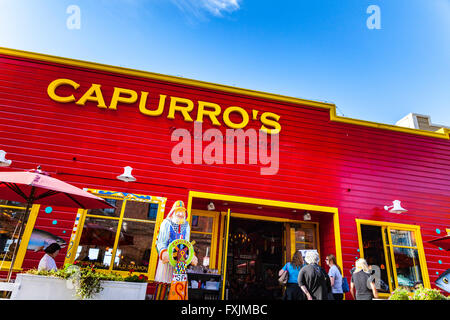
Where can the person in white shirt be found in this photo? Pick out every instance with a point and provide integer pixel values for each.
(48, 260)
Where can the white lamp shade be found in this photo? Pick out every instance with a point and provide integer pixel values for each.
(126, 175)
(396, 207)
(3, 161)
(211, 206)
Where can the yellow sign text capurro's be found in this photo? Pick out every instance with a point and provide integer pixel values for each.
(183, 106)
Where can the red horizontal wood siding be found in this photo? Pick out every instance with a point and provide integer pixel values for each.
(354, 168)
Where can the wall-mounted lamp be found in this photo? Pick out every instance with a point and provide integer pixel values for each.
(3, 161)
(307, 216)
(211, 206)
(126, 175)
(395, 208)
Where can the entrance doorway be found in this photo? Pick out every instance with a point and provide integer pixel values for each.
(295, 226)
(254, 257)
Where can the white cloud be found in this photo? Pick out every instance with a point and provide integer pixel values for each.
(214, 7)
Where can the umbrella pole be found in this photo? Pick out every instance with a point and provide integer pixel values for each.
(24, 215)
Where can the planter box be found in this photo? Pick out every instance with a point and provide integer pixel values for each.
(33, 287)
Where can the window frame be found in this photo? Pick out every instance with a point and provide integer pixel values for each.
(389, 249)
(309, 225)
(29, 227)
(124, 197)
(215, 215)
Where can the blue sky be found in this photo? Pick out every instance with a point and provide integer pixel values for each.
(313, 49)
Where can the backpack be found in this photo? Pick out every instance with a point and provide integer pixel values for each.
(326, 284)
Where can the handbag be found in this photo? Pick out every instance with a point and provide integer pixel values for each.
(283, 278)
(345, 287)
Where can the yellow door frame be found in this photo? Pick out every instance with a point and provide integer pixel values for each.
(225, 254)
(388, 265)
(271, 203)
(396, 226)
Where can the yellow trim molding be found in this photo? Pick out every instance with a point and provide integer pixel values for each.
(442, 134)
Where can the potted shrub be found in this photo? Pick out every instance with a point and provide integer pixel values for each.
(73, 282)
(400, 294)
(419, 294)
(427, 294)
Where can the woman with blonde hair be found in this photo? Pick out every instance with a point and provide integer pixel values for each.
(360, 284)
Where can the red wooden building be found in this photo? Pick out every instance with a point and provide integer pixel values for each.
(309, 179)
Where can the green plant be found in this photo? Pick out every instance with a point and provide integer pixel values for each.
(86, 280)
(418, 294)
(400, 294)
(88, 284)
(427, 294)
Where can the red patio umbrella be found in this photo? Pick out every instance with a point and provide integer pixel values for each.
(37, 187)
(443, 242)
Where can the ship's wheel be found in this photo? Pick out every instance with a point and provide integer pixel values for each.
(180, 250)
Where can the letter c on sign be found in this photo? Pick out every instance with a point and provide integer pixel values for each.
(59, 82)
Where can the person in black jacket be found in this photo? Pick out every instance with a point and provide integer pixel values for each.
(313, 279)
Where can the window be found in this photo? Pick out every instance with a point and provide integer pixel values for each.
(395, 252)
(120, 239)
(301, 236)
(153, 211)
(405, 253)
(110, 211)
(203, 225)
(304, 235)
(11, 214)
